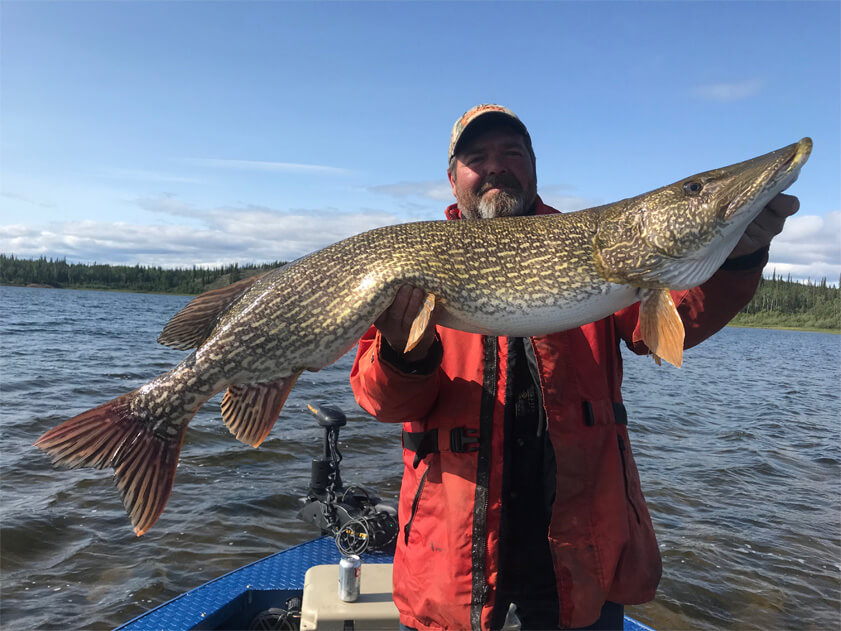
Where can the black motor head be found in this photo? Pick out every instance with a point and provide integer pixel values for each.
(328, 416)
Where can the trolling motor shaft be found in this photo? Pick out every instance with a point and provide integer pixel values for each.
(331, 419)
(355, 516)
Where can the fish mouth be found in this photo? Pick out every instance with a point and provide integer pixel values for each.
(783, 175)
(801, 153)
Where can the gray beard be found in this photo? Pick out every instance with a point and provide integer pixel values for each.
(503, 204)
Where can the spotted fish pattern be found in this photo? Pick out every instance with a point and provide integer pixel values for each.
(515, 276)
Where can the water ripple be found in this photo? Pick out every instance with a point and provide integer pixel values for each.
(738, 454)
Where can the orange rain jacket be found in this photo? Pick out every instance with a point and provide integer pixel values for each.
(600, 535)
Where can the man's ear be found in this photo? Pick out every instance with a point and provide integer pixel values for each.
(452, 182)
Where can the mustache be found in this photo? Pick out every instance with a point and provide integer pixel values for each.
(503, 180)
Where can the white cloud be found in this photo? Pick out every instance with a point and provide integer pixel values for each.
(275, 167)
(726, 92)
(808, 247)
(169, 204)
(226, 235)
(26, 199)
(439, 190)
(140, 175)
(299, 225)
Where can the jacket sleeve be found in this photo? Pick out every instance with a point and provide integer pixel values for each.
(707, 308)
(392, 391)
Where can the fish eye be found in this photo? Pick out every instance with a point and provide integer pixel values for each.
(693, 188)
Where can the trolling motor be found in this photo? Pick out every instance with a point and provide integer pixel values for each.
(354, 515)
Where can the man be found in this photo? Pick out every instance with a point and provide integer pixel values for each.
(519, 484)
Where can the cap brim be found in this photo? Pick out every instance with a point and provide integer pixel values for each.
(485, 121)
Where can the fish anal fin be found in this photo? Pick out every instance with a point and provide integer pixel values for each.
(250, 411)
(420, 323)
(661, 326)
(113, 434)
(194, 323)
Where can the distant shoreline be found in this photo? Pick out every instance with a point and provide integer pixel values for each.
(116, 290)
(169, 293)
(784, 328)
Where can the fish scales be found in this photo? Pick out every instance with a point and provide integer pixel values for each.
(521, 276)
(348, 284)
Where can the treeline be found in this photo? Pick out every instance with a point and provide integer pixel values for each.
(783, 302)
(778, 301)
(59, 273)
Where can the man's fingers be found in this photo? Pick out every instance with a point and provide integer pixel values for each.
(413, 306)
(767, 225)
(768, 222)
(784, 205)
(395, 313)
(395, 323)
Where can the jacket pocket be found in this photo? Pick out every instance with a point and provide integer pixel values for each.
(408, 527)
(625, 477)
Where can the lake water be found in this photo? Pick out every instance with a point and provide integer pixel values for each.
(739, 453)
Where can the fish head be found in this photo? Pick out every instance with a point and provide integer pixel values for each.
(677, 236)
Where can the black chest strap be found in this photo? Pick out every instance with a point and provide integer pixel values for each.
(458, 440)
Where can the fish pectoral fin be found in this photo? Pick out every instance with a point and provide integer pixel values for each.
(420, 323)
(194, 323)
(119, 434)
(250, 411)
(661, 326)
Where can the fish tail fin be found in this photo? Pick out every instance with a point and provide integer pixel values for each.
(121, 434)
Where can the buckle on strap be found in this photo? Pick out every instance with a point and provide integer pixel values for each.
(464, 439)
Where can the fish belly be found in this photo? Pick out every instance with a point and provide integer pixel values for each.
(541, 319)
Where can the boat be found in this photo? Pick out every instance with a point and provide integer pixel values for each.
(296, 588)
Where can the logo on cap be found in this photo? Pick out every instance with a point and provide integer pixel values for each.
(474, 113)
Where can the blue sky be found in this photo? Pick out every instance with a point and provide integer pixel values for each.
(181, 133)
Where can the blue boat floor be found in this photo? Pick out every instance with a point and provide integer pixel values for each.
(257, 586)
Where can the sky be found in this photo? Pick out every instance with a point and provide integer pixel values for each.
(211, 133)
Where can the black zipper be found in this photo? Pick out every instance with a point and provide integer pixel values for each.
(408, 527)
(625, 477)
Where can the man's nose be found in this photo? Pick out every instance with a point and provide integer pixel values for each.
(495, 164)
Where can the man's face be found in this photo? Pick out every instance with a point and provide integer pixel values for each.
(494, 175)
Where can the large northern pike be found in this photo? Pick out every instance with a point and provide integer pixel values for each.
(519, 276)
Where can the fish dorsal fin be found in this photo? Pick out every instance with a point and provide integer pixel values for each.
(194, 323)
(661, 326)
(250, 411)
(420, 323)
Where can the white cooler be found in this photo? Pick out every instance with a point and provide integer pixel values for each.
(374, 609)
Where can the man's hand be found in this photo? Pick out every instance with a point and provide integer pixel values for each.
(767, 225)
(396, 322)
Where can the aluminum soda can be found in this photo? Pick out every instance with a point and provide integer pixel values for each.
(350, 574)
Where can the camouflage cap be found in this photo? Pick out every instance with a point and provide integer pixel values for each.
(485, 111)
